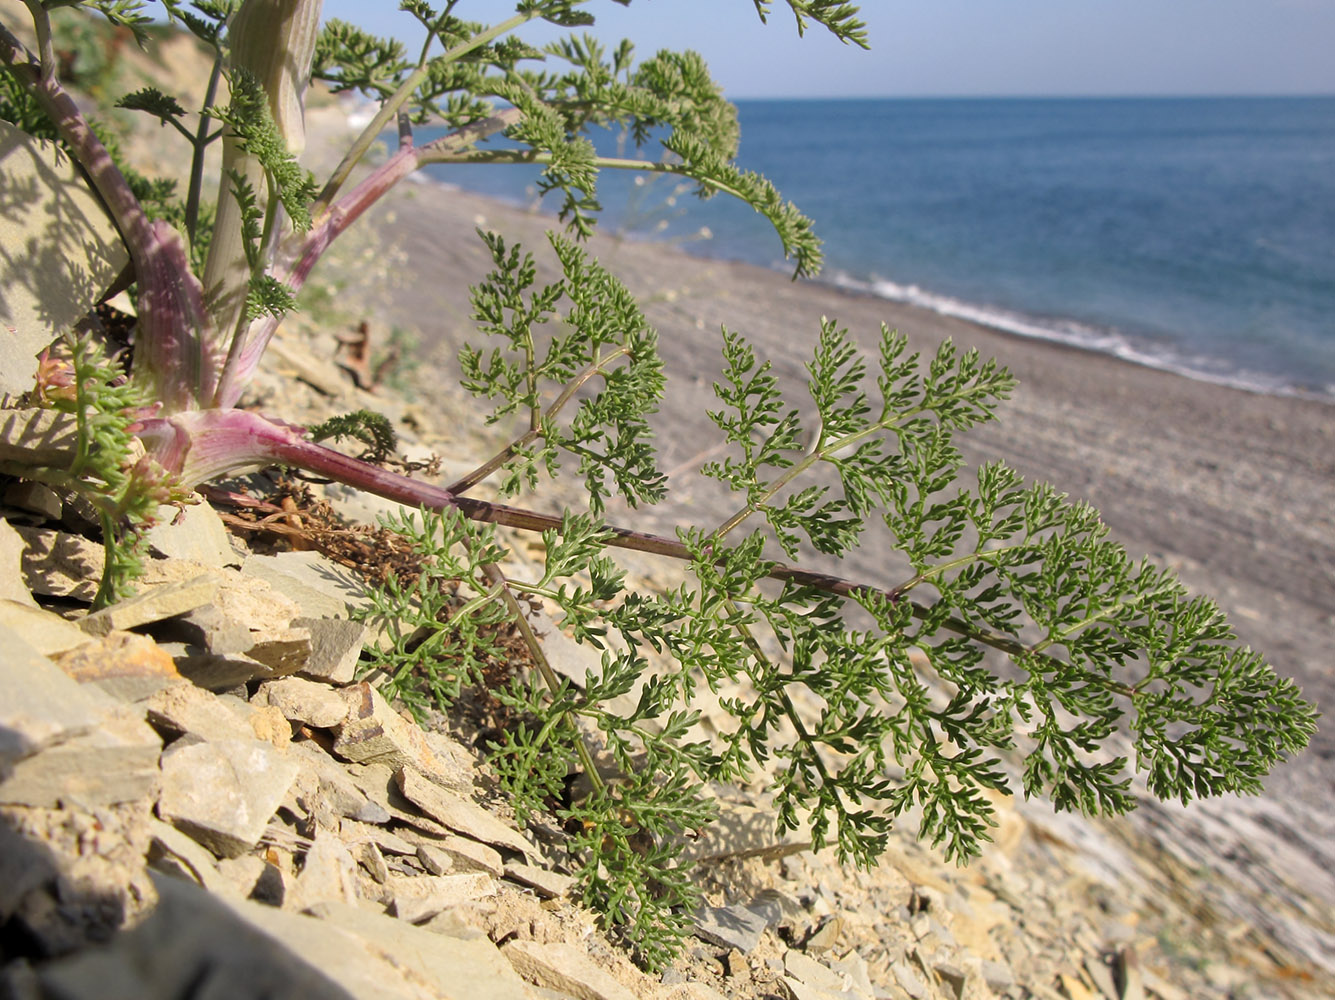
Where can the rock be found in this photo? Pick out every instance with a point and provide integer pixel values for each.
(124, 664)
(196, 945)
(188, 710)
(173, 853)
(224, 793)
(827, 935)
(153, 605)
(954, 978)
(812, 973)
(692, 991)
(210, 629)
(336, 647)
(997, 975)
(463, 855)
(304, 701)
(64, 252)
(215, 672)
(12, 588)
(908, 981)
(372, 859)
(322, 777)
(798, 990)
(33, 498)
(548, 884)
(319, 586)
(459, 814)
(328, 873)
(59, 564)
(419, 898)
(46, 632)
(565, 968)
(115, 762)
(374, 733)
(466, 966)
(195, 532)
(38, 436)
(40, 705)
(730, 927)
(852, 968)
(353, 833)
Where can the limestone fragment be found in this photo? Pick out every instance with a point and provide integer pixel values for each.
(304, 701)
(336, 646)
(186, 709)
(462, 966)
(730, 927)
(565, 968)
(224, 793)
(328, 873)
(117, 761)
(320, 587)
(124, 664)
(460, 814)
(153, 605)
(60, 564)
(194, 532)
(39, 704)
(547, 883)
(419, 898)
(11, 558)
(462, 854)
(46, 632)
(373, 733)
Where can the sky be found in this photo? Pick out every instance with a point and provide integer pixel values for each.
(995, 48)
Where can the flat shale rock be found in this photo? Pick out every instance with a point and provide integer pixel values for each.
(564, 968)
(60, 564)
(154, 604)
(117, 761)
(461, 815)
(192, 711)
(39, 704)
(304, 701)
(46, 632)
(126, 665)
(11, 558)
(466, 966)
(418, 898)
(194, 532)
(224, 793)
(336, 646)
(373, 733)
(319, 586)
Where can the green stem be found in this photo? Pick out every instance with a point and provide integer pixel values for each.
(545, 669)
(201, 143)
(466, 483)
(389, 109)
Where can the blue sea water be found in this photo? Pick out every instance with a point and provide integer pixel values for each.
(1191, 234)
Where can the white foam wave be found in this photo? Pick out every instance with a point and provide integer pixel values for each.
(1075, 334)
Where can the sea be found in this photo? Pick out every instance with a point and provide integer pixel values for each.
(1193, 234)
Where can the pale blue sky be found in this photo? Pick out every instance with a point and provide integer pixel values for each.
(967, 47)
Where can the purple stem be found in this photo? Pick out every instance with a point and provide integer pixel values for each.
(171, 351)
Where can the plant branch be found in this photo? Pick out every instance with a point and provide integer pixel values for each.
(390, 108)
(466, 483)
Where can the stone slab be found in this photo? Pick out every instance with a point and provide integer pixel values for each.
(224, 793)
